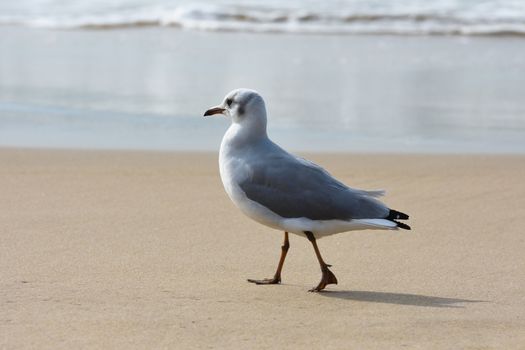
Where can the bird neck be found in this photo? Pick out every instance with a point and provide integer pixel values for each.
(245, 133)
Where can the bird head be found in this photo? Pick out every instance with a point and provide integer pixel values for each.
(242, 106)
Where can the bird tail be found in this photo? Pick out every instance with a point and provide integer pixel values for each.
(395, 215)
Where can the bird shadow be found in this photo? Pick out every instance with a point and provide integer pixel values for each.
(399, 298)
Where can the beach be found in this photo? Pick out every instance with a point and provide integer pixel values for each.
(115, 229)
(141, 249)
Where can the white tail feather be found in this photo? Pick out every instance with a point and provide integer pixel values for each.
(377, 223)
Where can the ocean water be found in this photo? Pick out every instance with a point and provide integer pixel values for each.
(466, 17)
(337, 76)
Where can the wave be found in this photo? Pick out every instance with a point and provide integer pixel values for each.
(282, 20)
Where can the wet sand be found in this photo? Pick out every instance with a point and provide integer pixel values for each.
(147, 89)
(144, 250)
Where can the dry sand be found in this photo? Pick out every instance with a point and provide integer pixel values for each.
(144, 250)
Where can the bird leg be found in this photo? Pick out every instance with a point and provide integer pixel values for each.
(328, 277)
(277, 277)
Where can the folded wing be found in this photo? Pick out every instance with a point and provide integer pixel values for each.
(293, 188)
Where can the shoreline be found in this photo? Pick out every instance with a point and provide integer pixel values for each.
(301, 153)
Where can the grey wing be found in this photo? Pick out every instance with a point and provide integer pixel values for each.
(295, 188)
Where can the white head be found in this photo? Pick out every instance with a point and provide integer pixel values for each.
(244, 107)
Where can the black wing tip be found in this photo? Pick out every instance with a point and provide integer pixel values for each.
(396, 215)
(402, 225)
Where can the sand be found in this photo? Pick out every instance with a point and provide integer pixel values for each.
(143, 250)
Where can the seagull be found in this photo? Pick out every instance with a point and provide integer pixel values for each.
(286, 192)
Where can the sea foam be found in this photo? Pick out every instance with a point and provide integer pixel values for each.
(403, 17)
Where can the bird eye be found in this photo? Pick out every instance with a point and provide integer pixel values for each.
(229, 102)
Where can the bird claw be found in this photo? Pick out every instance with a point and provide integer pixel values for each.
(327, 278)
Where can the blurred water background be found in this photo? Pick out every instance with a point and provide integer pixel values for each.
(367, 76)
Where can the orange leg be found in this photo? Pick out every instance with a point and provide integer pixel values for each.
(277, 277)
(328, 277)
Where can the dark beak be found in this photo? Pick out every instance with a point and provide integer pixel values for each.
(214, 110)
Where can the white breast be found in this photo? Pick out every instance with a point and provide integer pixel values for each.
(234, 171)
